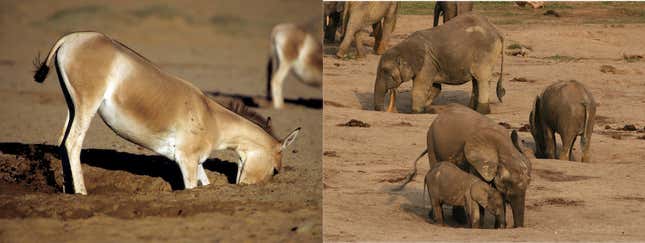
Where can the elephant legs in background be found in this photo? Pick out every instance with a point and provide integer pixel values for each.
(566, 153)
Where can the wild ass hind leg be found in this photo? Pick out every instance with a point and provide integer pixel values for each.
(81, 110)
(277, 82)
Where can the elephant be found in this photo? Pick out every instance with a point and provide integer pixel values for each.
(358, 15)
(446, 183)
(480, 146)
(450, 10)
(566, 108)
(332, 19)
(459, 51)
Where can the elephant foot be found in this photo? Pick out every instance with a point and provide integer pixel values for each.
(483, 108)
(341, 54)
(380, 50)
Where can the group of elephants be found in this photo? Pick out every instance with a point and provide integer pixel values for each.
(475, 164)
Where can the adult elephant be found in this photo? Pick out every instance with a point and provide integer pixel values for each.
(358, 15)
(478, 145)
(332, 19)
(450, 10)
(462, 50)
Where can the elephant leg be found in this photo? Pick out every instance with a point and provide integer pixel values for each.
(500, 219)
(568, 139)
(352, 28)
(420, 87)
(391, 107)
(386, 31)
(474, 216)
(377, 30)
(483, 87)
(549, 141)
(358, 42)
(473, 96)
(438, 212)
(435, 89)
(585, 140)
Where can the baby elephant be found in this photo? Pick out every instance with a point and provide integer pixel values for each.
(567, 108)
(446, 183)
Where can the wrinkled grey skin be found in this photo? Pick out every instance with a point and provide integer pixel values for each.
(358, 15)
(480, 146)
(566, 108)
(462, 50)
(450, 10)
(447, 184)
(332, 19)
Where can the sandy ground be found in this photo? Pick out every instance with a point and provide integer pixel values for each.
(220, 46)
(600, 201)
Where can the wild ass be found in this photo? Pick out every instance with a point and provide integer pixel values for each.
(151, 108)
(293, 47)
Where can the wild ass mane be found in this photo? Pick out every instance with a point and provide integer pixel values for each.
(239, 108)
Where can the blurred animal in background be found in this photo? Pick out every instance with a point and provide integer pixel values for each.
(534, 4)
(450, 10)
(566, 108)
(332, 21)
(358, 15)
(296, 49)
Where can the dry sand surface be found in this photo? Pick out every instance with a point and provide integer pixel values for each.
(221, 46)
(601, 200)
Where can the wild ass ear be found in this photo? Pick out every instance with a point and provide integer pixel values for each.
(289, 139)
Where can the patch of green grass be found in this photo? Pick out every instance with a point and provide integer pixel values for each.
(557, 5)
(559, 58)
(160, 11)
(416, 8)
(71, 13)
(493, 5)
(632, 58)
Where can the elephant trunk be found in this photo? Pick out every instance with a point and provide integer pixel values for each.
(379, 94)
(517, 205)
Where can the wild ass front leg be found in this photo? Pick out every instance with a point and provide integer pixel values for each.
(189, 168)
(276, 84)
(202, 179)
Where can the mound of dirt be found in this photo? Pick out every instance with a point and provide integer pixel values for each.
(354, 123)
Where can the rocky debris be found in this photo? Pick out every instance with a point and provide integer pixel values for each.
(354, 123)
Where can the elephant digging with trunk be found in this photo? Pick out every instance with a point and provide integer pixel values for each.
(462, 50)
(358, 15)
(478, 145)
(566, 108)
(450, 10)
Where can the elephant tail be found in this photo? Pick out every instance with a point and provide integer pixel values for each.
(411, 175)
(583, 133)
(500, 87)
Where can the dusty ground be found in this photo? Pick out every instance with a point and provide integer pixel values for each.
(220, 46)
(599, 201)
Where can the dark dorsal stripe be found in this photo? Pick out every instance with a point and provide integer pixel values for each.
(239, 108)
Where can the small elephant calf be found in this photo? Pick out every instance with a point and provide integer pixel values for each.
(447, 183)
(567, 108)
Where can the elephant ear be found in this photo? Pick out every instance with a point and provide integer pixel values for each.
(481, 154)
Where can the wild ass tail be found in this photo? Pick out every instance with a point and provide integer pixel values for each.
(500, 88)
(411, 175)
(42, 67)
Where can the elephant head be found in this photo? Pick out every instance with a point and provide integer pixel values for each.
(504, 164)
(536, 128)
(392, 70)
